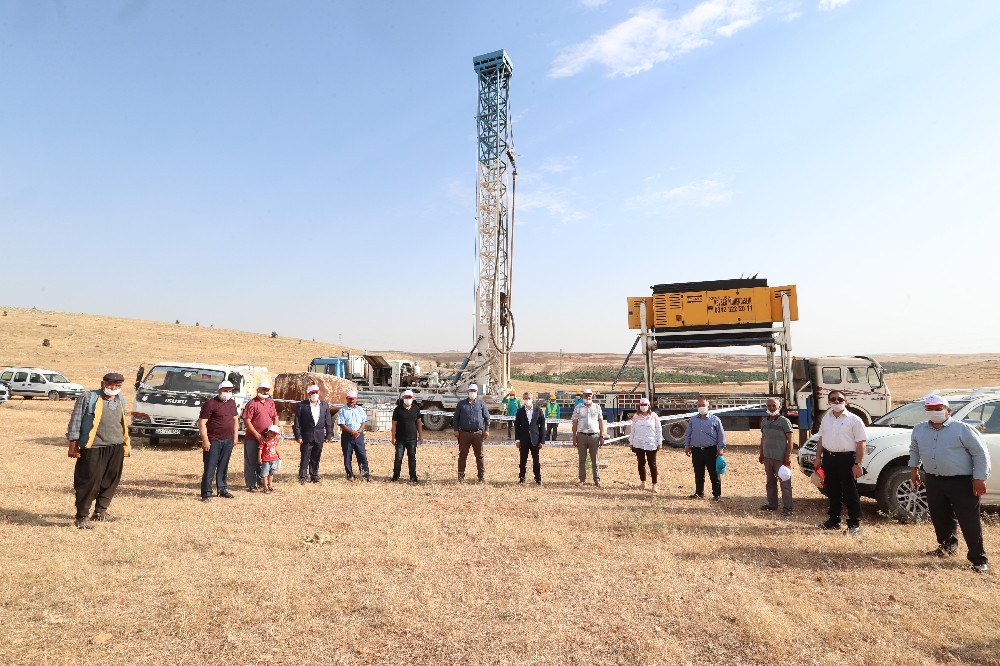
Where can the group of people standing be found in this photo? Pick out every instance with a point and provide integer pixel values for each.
(948, 457)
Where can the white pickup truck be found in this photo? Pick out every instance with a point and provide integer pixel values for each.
(887, 454)
(169, 397)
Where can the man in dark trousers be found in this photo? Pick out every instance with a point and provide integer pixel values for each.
(956, 465)
(219, 427)
(98, 439)
(407, 432)
(704, 441)
(529, 436)
(840, 448)
(313, 425)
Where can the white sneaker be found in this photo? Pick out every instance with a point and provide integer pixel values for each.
(654, 488)
(643, 485)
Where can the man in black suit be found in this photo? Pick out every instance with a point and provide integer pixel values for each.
(529, 436)
(313, 425)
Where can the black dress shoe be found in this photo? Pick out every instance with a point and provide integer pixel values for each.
(226, 494)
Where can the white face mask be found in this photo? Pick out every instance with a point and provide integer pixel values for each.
(588, 401)
(643, 408)
(224, 396)
(314, 397)
(528, 404)
(407, 401)
(774, 413)
(112, 392)
(703, 410)
(262, 395)
(937, 417)
(839, 407)
(472, 395)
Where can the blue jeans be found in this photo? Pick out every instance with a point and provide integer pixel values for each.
(216, 461)
(409, 446)
(251, 470)
(351, 446)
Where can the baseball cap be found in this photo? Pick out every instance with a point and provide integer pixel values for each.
(934, 399)
(274, 428)
(351, 393)
(588, 392)
(784, 473)
(113, 377)
(264, 384)
(312, 389)
(643, 401)
(225, 384)
(407, 393)
(473, 387)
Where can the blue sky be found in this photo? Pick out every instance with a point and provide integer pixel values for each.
(309, 167)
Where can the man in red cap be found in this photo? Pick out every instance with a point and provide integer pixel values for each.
(98, 439)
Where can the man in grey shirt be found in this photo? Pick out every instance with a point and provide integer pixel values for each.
(775, 451)
(956, 465)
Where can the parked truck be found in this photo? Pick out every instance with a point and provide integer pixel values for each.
(169, 397)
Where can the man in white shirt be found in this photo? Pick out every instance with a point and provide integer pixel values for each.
(840, 449)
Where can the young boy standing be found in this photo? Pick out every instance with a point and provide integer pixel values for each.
(268, 456)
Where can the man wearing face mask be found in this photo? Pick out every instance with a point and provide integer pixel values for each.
(471, 421)
(219, 426)
(98, 439)
(352, 419)
(704, 441)
(956, 465)
(588, 436)
(775, 451)
(258, 415)
(312, 427)
(529, 436)
(407, 432)
(841, 448)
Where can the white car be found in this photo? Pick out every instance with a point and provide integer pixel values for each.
(39, 383)
(4, 393)
(886, 469)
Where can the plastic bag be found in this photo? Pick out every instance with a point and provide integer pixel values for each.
(720, 465)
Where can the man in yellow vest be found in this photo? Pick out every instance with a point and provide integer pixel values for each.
(98, 439)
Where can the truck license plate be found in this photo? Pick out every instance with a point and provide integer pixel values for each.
(166, 431)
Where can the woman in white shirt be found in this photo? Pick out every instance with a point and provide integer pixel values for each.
(645, 437)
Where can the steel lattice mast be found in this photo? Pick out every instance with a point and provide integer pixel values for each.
(494, 221)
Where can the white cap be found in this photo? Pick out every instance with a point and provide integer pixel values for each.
(264, 384)
(274, 428)
(225, 384)
(312, 389)
(351, 393)
(588, 392)
(407, 393)
(643, 401)
(784, 473)
(473, 387)
(934, 399)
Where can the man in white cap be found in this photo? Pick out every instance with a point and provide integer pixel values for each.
(956, 465)
(219, 427)
(312, 427)
(258, 415)
(841, 448)
(352, 419)
(588, 435)
(775, 451)
(472, 427)
(407, 432)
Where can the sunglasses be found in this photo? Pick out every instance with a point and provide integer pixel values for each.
(837, 399)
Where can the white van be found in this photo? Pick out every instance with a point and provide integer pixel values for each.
(39, 383)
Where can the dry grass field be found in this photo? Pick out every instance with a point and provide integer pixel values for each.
(340, 573)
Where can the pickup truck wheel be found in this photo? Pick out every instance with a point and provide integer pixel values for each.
(673, 433)
(53, 395)
(899, 498)
(435, 421)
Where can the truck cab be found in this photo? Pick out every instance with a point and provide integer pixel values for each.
(169, 397)
(860, 378)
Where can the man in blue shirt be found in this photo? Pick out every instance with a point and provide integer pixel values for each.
(703, 442)
(352, 419)
(472, 427)
(956, 465)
